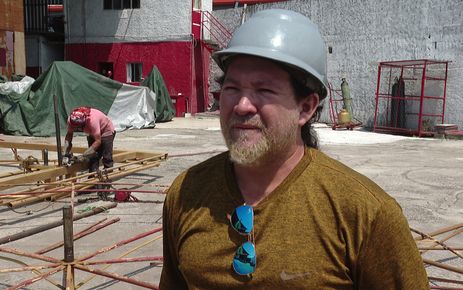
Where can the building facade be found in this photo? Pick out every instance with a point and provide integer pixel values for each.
(44, 34)
(12, 48)
(359, 34)
(124, 39)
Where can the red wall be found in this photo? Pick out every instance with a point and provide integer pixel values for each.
(173, 59)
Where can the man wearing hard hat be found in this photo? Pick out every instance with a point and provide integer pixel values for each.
(273, 212)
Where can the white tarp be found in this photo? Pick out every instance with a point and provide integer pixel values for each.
(16, 87)
(133, 108)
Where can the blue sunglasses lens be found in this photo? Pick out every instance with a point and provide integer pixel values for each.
(242, 219)
(244, 261)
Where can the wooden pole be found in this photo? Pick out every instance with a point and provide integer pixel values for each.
(57, 131)
(68, 234)
(68, 273)
(30, 232)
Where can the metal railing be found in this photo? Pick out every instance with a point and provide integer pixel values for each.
(217, 31)
(36, 16)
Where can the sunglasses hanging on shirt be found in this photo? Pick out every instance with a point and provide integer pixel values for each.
(242, 221)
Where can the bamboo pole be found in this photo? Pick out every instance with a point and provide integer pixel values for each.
(437, 241)
(36, 278)
(30, 268)
(69, 283)
(51, 281)
(64, 182)
(55, 172)
(123, 260)
(118, 244)
(75, 178)
(30, 255)
(35, 198)
(445, 280)
(56, 195)
(66, 190)
(446, 238)
(443, 266)
(99, 225)
(30, 232)
(437, 248)
(116, 277)
(441, 231)
(121, 256)
(117, 175)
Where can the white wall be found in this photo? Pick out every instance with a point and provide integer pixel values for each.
(156, 20)
(365, 32)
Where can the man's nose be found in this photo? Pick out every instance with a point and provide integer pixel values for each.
(245, 105)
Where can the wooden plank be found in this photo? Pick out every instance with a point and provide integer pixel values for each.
(36, 176)
(51, 147)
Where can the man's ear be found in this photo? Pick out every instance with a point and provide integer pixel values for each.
(308, 106)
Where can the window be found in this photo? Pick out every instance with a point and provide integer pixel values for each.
(121, 4)
(108, 4)
(134, 72)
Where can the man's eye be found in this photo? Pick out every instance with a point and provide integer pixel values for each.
(229, 89)
(266, 91)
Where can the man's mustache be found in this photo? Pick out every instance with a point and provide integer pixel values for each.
(253, 121)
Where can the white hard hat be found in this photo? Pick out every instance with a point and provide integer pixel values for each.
(282, 35)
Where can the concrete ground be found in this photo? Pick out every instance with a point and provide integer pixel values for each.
(424, 175)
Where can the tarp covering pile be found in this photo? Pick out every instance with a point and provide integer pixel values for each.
(164, 107)
(31, 112)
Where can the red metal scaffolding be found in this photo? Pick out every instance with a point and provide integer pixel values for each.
(410, 96)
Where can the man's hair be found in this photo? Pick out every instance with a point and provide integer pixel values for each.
(301, 91)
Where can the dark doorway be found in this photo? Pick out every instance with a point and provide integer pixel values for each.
(106, 69)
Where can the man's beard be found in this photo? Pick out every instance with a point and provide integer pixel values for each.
(270, 145)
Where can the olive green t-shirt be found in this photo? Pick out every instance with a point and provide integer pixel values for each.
(324, 227)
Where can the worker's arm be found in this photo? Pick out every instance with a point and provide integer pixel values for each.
(94, 130)
(91, 151)
(97, 143)
(68, 142)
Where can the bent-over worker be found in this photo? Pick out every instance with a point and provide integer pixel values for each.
(100, 136)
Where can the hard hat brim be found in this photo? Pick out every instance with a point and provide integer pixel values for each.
(221, 57)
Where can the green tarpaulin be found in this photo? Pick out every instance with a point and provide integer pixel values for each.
(164, 107)
(31, 113)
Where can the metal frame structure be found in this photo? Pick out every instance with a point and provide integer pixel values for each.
(43, 179)
(53, 182)
(422, 102)
(84, 263)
